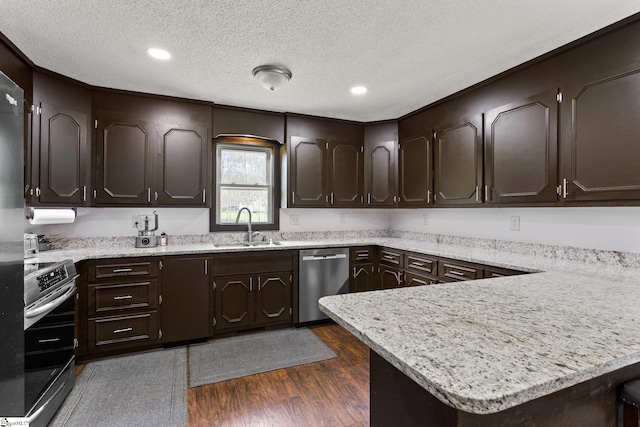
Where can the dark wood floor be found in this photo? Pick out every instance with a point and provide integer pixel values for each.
(332, 393)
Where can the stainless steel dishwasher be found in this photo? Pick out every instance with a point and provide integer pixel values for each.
(322, 272)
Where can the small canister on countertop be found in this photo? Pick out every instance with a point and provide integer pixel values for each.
(162, 240)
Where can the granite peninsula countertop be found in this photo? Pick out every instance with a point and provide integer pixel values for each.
(486, 345)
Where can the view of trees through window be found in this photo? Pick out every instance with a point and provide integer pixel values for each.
(244, 180)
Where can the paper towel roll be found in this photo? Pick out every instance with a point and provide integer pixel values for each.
(52, 216)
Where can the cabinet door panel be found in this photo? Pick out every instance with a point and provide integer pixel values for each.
(458, 162)
(521, 151)
(362, 278)
(274, 298)
(185, 299)
(62, 155)
(346, 174)
(415, 171)
(235, 302)
(411, 279)
(308, 172)
(182, 167)
(380, 164)
(601, 148)
(124, 167)
(390, 278)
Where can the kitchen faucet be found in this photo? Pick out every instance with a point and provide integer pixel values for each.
(249, 233)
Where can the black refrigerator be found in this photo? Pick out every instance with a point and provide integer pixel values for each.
(12, 399)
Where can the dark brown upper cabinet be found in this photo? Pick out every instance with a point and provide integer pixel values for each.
(381, 164)
(458, 162)
(325, 160)
(60, 147)
(151, 151)
(521, 151)
(415, 162)
(236, 121)
(601, 136)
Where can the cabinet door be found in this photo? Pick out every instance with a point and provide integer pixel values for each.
(362, 278)
(390, 278)
(182, 166)
(234, 302)
(185, 299)
(124, 163)
(346, 173)
(380, 164)
(274, 298)
(521, 144)
(415, 171)
(458, 162)
(308, 171)
(63, 154)
(601, 137)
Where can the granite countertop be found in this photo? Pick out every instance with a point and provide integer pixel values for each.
(486, 345)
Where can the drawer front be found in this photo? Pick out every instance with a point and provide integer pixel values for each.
(453, 271)
(49, 338)
(492, 272)
(125, 330)
(389, 257)
(411, 279)
(252, 263)
(108, 297)
(422, 264)
(361, 255)
(123, 269)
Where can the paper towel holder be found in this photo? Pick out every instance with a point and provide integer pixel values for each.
(29, 211)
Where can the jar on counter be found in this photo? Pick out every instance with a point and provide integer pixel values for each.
(162, 240)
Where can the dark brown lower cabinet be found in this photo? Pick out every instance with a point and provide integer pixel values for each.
(118, 305)
(363, 278)
(411, 279)
(253, 290)
(185, 299)
(391, 277)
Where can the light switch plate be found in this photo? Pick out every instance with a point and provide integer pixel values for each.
(515, 223)
(424, 219)
(343, 218)
(294, 219)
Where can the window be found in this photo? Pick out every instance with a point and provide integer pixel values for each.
(247, 176)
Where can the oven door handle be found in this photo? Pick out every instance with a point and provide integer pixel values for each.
(36, 311)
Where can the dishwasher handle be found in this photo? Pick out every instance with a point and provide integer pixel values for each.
(323, 257)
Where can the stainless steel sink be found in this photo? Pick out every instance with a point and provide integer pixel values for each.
(246, 244)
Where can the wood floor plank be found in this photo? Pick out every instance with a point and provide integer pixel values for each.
(332, 392)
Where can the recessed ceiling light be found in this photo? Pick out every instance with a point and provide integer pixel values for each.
(359, 90)
(158, 53)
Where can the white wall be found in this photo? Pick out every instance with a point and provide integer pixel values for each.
(609, 228)
(111, 222)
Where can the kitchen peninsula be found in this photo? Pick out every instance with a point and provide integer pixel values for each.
(544, 349)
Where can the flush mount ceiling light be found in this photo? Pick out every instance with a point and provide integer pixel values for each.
(154, 52)
(359, 90)
(272, 77)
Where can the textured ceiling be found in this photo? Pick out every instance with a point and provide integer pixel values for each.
(409, 53)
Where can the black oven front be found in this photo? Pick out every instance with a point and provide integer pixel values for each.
(49, 339)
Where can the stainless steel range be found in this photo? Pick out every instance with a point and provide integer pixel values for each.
(49, 318)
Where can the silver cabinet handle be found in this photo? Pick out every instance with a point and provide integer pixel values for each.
(155, 195)
(119, 331)
(565, 191)
(417, 264)
(122, 270)
(250, 284)
(84, 193)
(369, 198)
(477, 193)
(259, 283)
(206, 267)
(121, 297)
(486, 193)
(428, 196)
(457, 273)
(148, 195)
(49, 340)
(204, 195)
(37, 191)
(388, 257)
(332, 197)
(422, 282)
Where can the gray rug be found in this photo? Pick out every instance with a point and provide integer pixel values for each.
(235, 357)
(147, 389)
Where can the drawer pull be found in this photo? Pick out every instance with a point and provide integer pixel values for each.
(120, 297)
(118, 331)
(457, 273)
(122, 270)
(388, 257)
(49, 340)
(417, 264)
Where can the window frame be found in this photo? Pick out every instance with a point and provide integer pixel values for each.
(247, 141)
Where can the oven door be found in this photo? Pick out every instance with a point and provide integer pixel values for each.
(49, 357)
(44, 306)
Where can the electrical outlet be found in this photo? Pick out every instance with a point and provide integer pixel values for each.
(424, 219)
(294, 219)
(134, 220)
(343, 218)
(515, 223)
